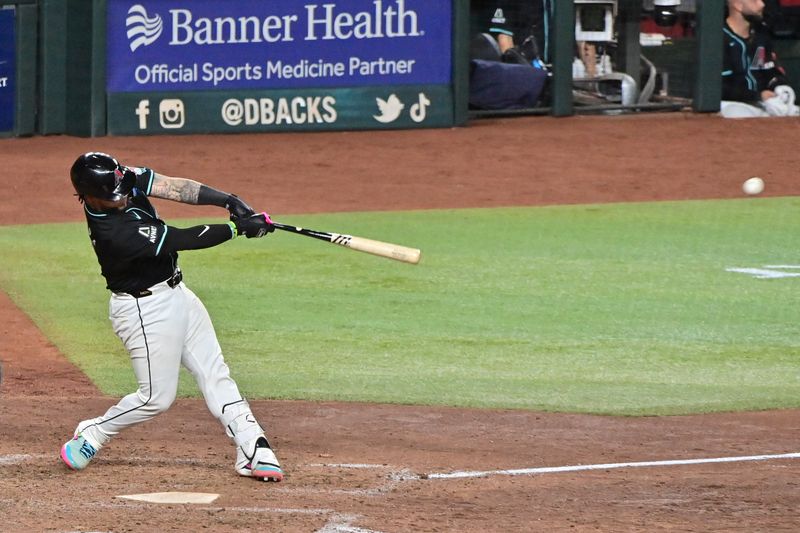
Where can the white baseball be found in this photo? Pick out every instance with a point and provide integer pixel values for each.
(754, 185)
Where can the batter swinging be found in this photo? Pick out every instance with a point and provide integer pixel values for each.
(162, 324)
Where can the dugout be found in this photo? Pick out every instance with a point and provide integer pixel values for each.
(677, 56)
(671, 73)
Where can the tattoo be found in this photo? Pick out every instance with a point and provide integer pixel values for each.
(176, 189)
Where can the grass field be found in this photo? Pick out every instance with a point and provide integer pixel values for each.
(619, 308)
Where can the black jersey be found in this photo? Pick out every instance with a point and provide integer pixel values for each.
(129, 242)
(749, 65)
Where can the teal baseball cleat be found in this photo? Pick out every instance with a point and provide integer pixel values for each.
(78, 452)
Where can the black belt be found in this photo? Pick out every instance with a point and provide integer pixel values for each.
(173, 282)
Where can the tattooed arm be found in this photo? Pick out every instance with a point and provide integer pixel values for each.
(176, 189)
(192, 192)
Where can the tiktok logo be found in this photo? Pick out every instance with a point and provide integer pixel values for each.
(420, 110)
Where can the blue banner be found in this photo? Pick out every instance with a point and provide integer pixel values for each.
(8, 50)
(174, 45)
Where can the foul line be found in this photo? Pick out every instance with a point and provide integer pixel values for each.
(607, 466)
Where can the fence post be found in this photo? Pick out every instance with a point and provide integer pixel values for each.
(708, 76)
(563, 54)
(97, 95)
(461, 13)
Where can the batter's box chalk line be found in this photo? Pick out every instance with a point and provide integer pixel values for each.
(17, 458)
(337, 522)
(607, 466)
(341, 523)
(392, 477)
(358, 466)
(398, 475)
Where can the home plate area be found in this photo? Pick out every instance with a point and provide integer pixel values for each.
(141, 492)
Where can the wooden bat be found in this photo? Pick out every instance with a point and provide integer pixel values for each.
(382, 249)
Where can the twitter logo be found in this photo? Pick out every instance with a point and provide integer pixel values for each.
(389, 109)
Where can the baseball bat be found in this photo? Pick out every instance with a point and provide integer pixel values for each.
(382, 249)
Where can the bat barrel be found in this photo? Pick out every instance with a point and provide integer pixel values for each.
(361, 244)
(383, 249)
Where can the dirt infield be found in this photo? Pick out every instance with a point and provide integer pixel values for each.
(382, 468)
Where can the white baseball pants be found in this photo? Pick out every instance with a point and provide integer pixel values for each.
(161, 332)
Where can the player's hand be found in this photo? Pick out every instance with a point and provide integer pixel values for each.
(253, 226)
(237, 207)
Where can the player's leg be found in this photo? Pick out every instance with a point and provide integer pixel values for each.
(203, 357)
(152, 330)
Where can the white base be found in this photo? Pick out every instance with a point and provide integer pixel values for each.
(172, 497)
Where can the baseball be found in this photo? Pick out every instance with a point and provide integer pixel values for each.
(753, 186)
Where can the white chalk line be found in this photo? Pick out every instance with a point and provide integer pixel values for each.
(19, 458)
(337, 522)
(391, 481)
(268, 510)
(397, 476)
(341, 523)
(349, 465)
(16, 458)
(607, 466)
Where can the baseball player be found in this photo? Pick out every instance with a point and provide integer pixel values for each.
(162, 324)
(754, 83)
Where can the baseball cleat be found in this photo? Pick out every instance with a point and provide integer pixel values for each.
(77, 453)
(263, 465)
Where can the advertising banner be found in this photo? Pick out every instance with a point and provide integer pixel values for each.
(8, 51)
(174, 45)
(411, 106)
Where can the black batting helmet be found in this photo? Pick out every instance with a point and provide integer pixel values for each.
(100, 175)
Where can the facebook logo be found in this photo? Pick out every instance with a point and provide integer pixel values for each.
(142, 111)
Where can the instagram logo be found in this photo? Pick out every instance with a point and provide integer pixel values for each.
(171, 113)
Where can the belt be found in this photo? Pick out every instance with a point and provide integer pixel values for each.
(172, 282)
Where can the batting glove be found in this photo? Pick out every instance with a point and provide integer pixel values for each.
(253, 226)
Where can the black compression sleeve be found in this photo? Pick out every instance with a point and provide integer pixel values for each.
(197, 237)
(210, 196)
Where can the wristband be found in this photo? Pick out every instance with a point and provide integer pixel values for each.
(234, 230)
(209, 196)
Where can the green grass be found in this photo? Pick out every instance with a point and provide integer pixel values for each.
(623, 309)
